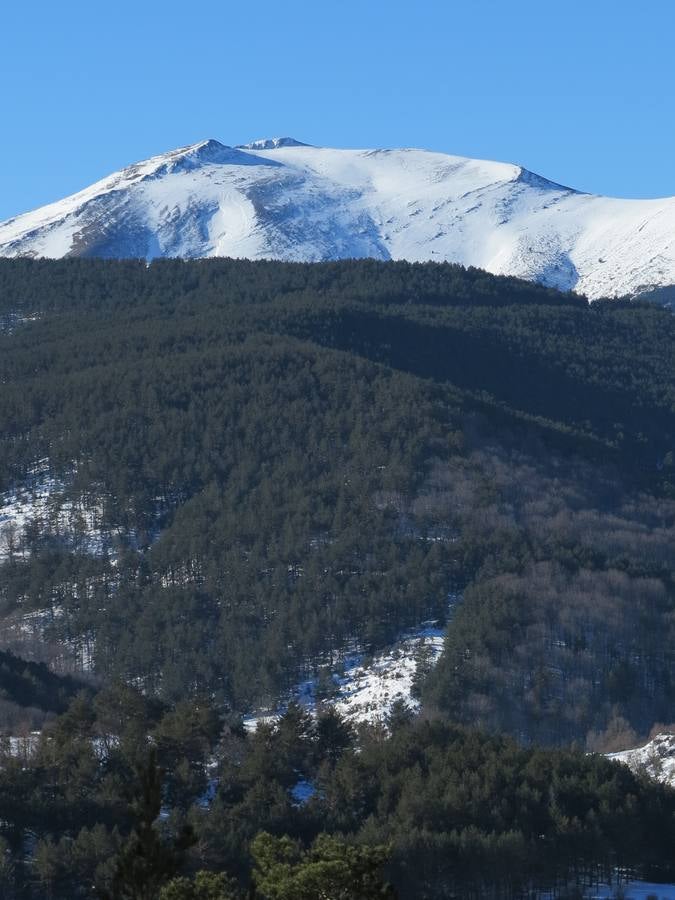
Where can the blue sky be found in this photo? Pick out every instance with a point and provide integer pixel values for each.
(582, 92)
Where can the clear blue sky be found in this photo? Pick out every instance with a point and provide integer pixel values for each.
(582, 92)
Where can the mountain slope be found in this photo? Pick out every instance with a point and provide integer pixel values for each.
(285, 200)
(220, 477)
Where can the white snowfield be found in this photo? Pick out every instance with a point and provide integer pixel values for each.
(42, 505)
(366, 691)
(657, 758)
(279, 199)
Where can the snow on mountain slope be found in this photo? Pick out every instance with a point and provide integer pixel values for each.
(281, 199)
(656, 758)
(366, 690)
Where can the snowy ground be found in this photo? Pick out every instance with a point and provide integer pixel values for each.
(630, 890)
(365, 689)
(21, 747)
(11, 321)
(657, 758)
(44, 502)
(368, 692)
(634, 890)
(40, 501)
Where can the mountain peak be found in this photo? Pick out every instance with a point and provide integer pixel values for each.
(209, 150)
(194, 156)
(259, 201)
(272, 144)
(210, 144)
(533, 180)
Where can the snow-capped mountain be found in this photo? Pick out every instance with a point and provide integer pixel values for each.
(282, 199)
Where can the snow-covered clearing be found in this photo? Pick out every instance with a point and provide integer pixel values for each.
(42, 503)
(20, 746)
(656, 757)
(302, 792)
(368, 691)
(45, 508)
(365, 689)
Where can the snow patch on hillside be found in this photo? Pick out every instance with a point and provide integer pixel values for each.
(10, 322)
(365, 690)
(44, 509)
(627, 890)
(368, 691)
(40, 504)
(656, 758)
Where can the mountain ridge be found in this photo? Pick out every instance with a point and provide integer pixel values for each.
(279, 198)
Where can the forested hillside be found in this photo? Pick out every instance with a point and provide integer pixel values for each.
(218, 474)
(127, 794)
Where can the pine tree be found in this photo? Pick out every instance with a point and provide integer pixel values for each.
(146, 862)
(331, 868)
